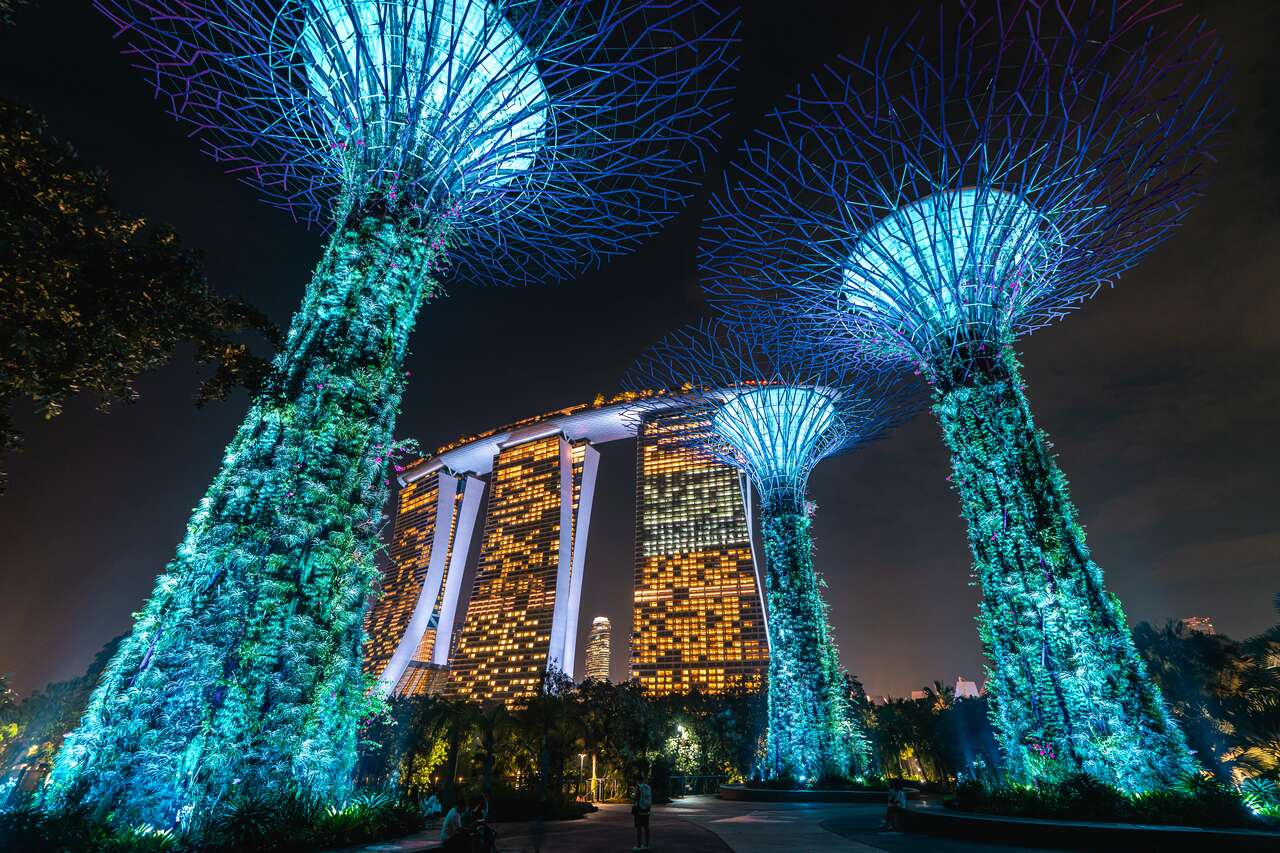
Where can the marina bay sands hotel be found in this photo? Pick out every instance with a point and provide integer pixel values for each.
(698, 619)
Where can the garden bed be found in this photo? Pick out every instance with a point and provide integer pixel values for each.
(1066, 834)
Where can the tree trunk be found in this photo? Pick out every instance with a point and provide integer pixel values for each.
(812, 731)
(243, 670)
(1069, 690)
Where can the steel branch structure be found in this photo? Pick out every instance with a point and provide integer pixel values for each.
(511, 140)
(555, 133)
(774, 405)
(952, 187)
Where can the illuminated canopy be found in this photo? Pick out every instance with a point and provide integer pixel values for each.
(448, 81)
(775, 432)
(775, 402)
(951, 259)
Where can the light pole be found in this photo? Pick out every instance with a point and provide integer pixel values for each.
(582, 758)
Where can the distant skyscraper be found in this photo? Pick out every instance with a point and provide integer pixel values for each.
(698, 618)
(966, 689)
(523, 615)
(598, 649)
(1196, 625)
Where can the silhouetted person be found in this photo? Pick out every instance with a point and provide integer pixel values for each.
(641, 809)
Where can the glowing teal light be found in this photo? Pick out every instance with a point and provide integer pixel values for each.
(952, 258)
(776, 431)
(481, 96)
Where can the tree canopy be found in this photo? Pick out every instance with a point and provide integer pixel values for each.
(91, 297)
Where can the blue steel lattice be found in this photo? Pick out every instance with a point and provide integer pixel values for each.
(556, 133)
(949, 188)
(776, 402)
(926, 202)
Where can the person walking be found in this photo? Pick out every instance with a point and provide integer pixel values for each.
(643, 805)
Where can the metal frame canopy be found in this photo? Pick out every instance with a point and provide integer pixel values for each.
(554, 133)
(972, 178)
(776, 402)
(928, 200)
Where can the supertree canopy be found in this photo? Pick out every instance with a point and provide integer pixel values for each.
(952, 187)
(772, 403)
(509, 141)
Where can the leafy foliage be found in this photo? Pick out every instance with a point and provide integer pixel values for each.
(812, 729)
(1069, 690)
(242, 675)
(1225, 693)
(89, 297)
(1079, 796)
(38, 724)
(279, 823)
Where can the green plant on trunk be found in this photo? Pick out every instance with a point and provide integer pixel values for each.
(1069, 691)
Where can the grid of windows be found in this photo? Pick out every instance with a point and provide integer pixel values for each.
(401, 585)
(405, 573)
(598, 649)
(506, 637)
(697, 615)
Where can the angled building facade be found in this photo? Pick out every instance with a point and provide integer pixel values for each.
(698, 621)
(410, 626)
(529, 580)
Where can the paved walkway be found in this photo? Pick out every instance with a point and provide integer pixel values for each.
(711, 825)
(609, 829)
(813, 828)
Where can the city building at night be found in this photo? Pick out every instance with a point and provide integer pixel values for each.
(1196, 625)
(598, 657)
(698, 613)
(529, 580)
(697, 621)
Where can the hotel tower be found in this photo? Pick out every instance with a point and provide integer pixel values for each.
(698, 621)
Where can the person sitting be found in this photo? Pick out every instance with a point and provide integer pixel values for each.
(486, 837)
(431, 806)
(897, 801)
(453, 834)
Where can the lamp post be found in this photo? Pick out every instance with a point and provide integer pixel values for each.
(582, 758)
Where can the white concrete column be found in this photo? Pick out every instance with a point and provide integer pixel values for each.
(473, 491)
(581, 527)
(447, 486)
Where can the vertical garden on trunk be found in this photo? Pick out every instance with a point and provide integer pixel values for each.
(479, 141)
(774, 405)
(927, 200)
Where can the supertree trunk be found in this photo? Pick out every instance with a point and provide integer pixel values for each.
(812, 731)
(1070, 691)
(242, 673)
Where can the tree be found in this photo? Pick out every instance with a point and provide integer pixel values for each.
(91, 297)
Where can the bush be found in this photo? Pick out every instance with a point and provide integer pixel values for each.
(507, 803)
(1198, 802)
(1084, 797)
(251, 823)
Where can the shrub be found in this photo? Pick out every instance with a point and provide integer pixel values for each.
(1198, 802)
(249, 823)
(1084, 797)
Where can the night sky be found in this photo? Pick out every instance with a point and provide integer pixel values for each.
(1162, 395)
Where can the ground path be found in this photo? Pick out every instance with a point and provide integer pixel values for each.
(711, 825)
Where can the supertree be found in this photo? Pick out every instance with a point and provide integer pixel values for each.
(509, 141)
(929, 200)
(773, 404)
